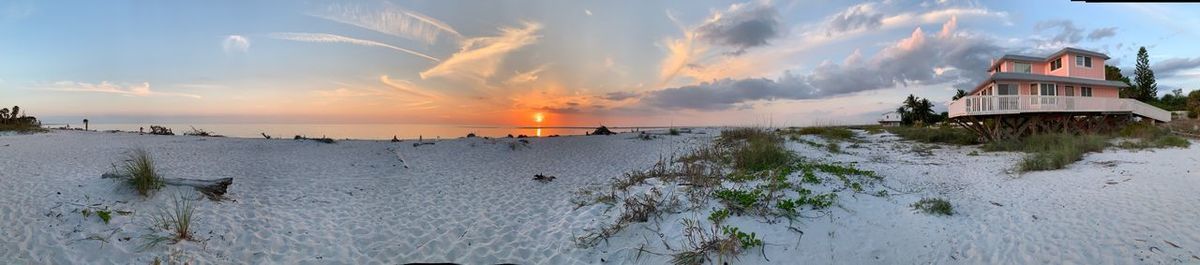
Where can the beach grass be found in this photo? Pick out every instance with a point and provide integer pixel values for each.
(178, 219)
(1145, 136)
(829, 133)
(143, 177)
(942, 135)
(1050, 151)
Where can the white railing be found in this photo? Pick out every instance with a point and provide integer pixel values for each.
(988, 105)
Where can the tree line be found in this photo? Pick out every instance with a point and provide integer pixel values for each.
(1144, 87)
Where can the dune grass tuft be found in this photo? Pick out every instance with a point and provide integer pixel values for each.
(1050, 151)
(934, 206)
(143, 176)
(178, 219)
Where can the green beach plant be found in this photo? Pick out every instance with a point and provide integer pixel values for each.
(934, 206)
(143, 177)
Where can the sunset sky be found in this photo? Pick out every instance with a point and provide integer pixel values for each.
(574, 62)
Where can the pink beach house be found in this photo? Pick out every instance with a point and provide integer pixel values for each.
(1063, 91)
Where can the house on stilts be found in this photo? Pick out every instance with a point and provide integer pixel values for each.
(1063, 92)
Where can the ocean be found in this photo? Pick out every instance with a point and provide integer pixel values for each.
(359, 131)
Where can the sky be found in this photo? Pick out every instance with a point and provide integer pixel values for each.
(555, 63)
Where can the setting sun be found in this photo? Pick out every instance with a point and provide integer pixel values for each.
(538, 117)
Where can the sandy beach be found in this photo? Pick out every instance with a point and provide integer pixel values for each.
(472, 201)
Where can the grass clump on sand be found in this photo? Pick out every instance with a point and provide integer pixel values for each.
(760, 154)
(176, 220)
(1050, 151)
(934, 206)
(945, 135)
(1149, 136)
(829, 133)
(139, 167)
(722, 241)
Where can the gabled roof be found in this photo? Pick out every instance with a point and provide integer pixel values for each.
(1011, 76)
(1059, 53)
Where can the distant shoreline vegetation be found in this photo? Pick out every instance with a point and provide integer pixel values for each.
(16, 121)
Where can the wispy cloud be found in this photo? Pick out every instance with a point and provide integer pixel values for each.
(324, 37)
(235, 43)
(479, 57)
(140, 90)
(388, 19)
(525, 77)
(404, 86)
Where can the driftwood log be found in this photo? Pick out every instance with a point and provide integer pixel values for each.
(212, 188)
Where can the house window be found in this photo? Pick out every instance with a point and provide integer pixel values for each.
(1069, 91)
(1057, 63)
(1022, 68)
(1084, 61)
(1085, 91)
(1049, 90)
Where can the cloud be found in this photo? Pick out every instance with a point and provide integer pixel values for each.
(235, 43)
(935, 16)
(917, 59)
(323, 37)
(742, 26)
(388, 19)
(856, 17)
(479, 57)
(1101, 33)
(140, 90)
(620, 95)
(587, 12)
(679, 52)
(530, 76)
(404, 86)
(1174, 66)
(1068, 34)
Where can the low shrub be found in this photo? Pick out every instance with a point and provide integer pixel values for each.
(934, 206)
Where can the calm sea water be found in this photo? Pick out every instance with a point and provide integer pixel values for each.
(361, 131)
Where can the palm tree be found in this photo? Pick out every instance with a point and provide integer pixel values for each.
(4, 115)
(959, 94)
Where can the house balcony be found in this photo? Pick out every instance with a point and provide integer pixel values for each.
(1018, 104)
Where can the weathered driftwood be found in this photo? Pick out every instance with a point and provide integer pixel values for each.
(213, 188)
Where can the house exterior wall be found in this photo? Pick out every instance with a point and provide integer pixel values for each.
(1094, 72)
(1069, 68)
(1024, 89)
(1062, 71)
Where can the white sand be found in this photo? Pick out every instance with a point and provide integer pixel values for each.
(472, 201)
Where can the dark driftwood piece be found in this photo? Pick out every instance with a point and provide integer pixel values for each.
(213, 188)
